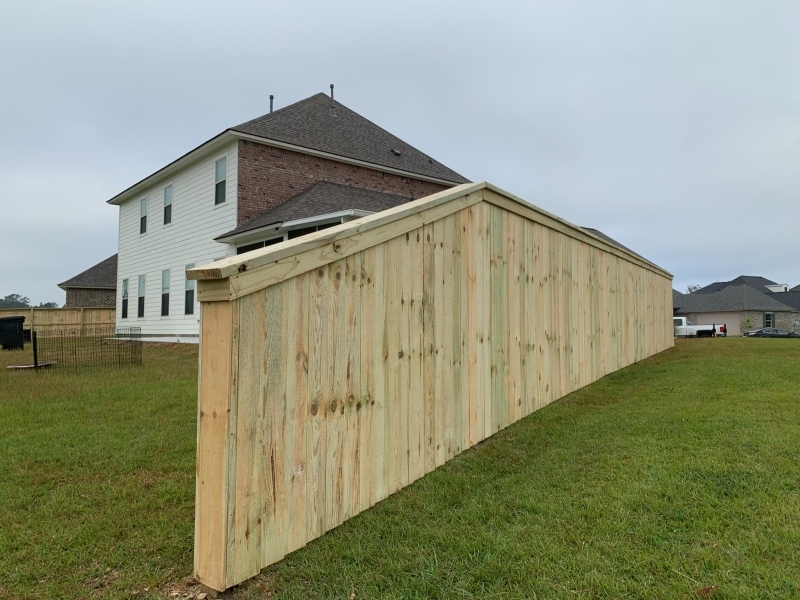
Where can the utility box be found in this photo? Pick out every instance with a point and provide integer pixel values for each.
(11, 334)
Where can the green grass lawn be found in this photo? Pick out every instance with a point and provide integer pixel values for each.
(659, 481)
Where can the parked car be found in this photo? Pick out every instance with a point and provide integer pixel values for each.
(684, 328)
(772, 332)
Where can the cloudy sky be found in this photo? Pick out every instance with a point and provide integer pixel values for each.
(672, 126)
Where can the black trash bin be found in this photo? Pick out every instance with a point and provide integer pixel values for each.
(11, 335)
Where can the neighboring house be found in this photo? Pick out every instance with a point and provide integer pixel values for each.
(742, 304)
(305, 167)
(95, 287)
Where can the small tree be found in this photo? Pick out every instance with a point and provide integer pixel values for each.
(692, 287)
(48, 305)
(15, 301)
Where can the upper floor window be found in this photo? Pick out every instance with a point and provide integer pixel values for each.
(221, 174)
(143, 216)
(140, 303)
(188, 307)
(124, 298)
(165, 293)
(168, 205)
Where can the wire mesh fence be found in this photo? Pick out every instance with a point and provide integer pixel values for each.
(88, 347)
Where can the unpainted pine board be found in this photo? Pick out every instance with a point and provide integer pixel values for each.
(319, 381)
(528, 318)
(379, 355)
(367, 396)
(394, 357)
(352, 401)
(278, 337)
(469, 241)
(296, 308)
(336, 393)
(515, 272)
(485, 304)
(498, 320)
(245, 542)
(213, 449)
(429, 301)
(462, 335)
(443, 421)
(416, 395)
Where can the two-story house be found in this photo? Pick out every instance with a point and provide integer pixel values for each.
(293, 171)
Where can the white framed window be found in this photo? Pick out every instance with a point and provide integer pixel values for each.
(165, 293)
(124, 298)
(220, 177)
(188, 301)
(168, 205)
(140, 299)
(143, 216)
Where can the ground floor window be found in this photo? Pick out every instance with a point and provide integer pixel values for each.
(165, 293)
(188, 308)
(769, 319)
(140, 305)
(124, 298)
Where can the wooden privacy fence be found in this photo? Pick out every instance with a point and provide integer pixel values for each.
(67, 319)
(339, 367)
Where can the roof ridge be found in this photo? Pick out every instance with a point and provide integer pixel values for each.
(280, 110)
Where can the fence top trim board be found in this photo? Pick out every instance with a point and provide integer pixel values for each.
(237, 276)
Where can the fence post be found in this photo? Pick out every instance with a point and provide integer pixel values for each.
(35, 350)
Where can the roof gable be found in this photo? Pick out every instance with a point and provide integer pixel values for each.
(310, 124)
(102, 275)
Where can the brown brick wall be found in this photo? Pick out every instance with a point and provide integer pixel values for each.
(90, 298)
(269, 176)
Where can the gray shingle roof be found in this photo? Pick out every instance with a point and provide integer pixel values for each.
(790, 298)
(755, 281)
(732, 298)
(677, 299)
(321, 199)
(795, 288)
(309, 124)
(102, 275)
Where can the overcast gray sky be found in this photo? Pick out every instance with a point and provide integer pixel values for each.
(672, 126)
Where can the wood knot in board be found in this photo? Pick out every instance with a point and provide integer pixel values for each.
(337, 247)
(314, 408)
(400, 354)
(333, 407)
(242, 268)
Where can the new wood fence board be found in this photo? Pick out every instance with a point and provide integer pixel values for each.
(351, 368)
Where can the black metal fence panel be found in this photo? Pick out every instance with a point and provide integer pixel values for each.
(88, 347)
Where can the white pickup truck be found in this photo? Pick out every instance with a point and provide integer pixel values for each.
(683, 328)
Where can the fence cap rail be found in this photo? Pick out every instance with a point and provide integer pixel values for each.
(474, 192)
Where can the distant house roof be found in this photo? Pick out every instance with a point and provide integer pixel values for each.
(310, 124)
(322, 198)
(759, 283)
(790, 298)
(677, 300)
(795, 288)
(611, 240)
(101, 276)
(732, 298)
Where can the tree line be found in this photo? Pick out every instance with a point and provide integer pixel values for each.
(18, 301)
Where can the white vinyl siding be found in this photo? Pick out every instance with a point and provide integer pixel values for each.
(189, 239)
